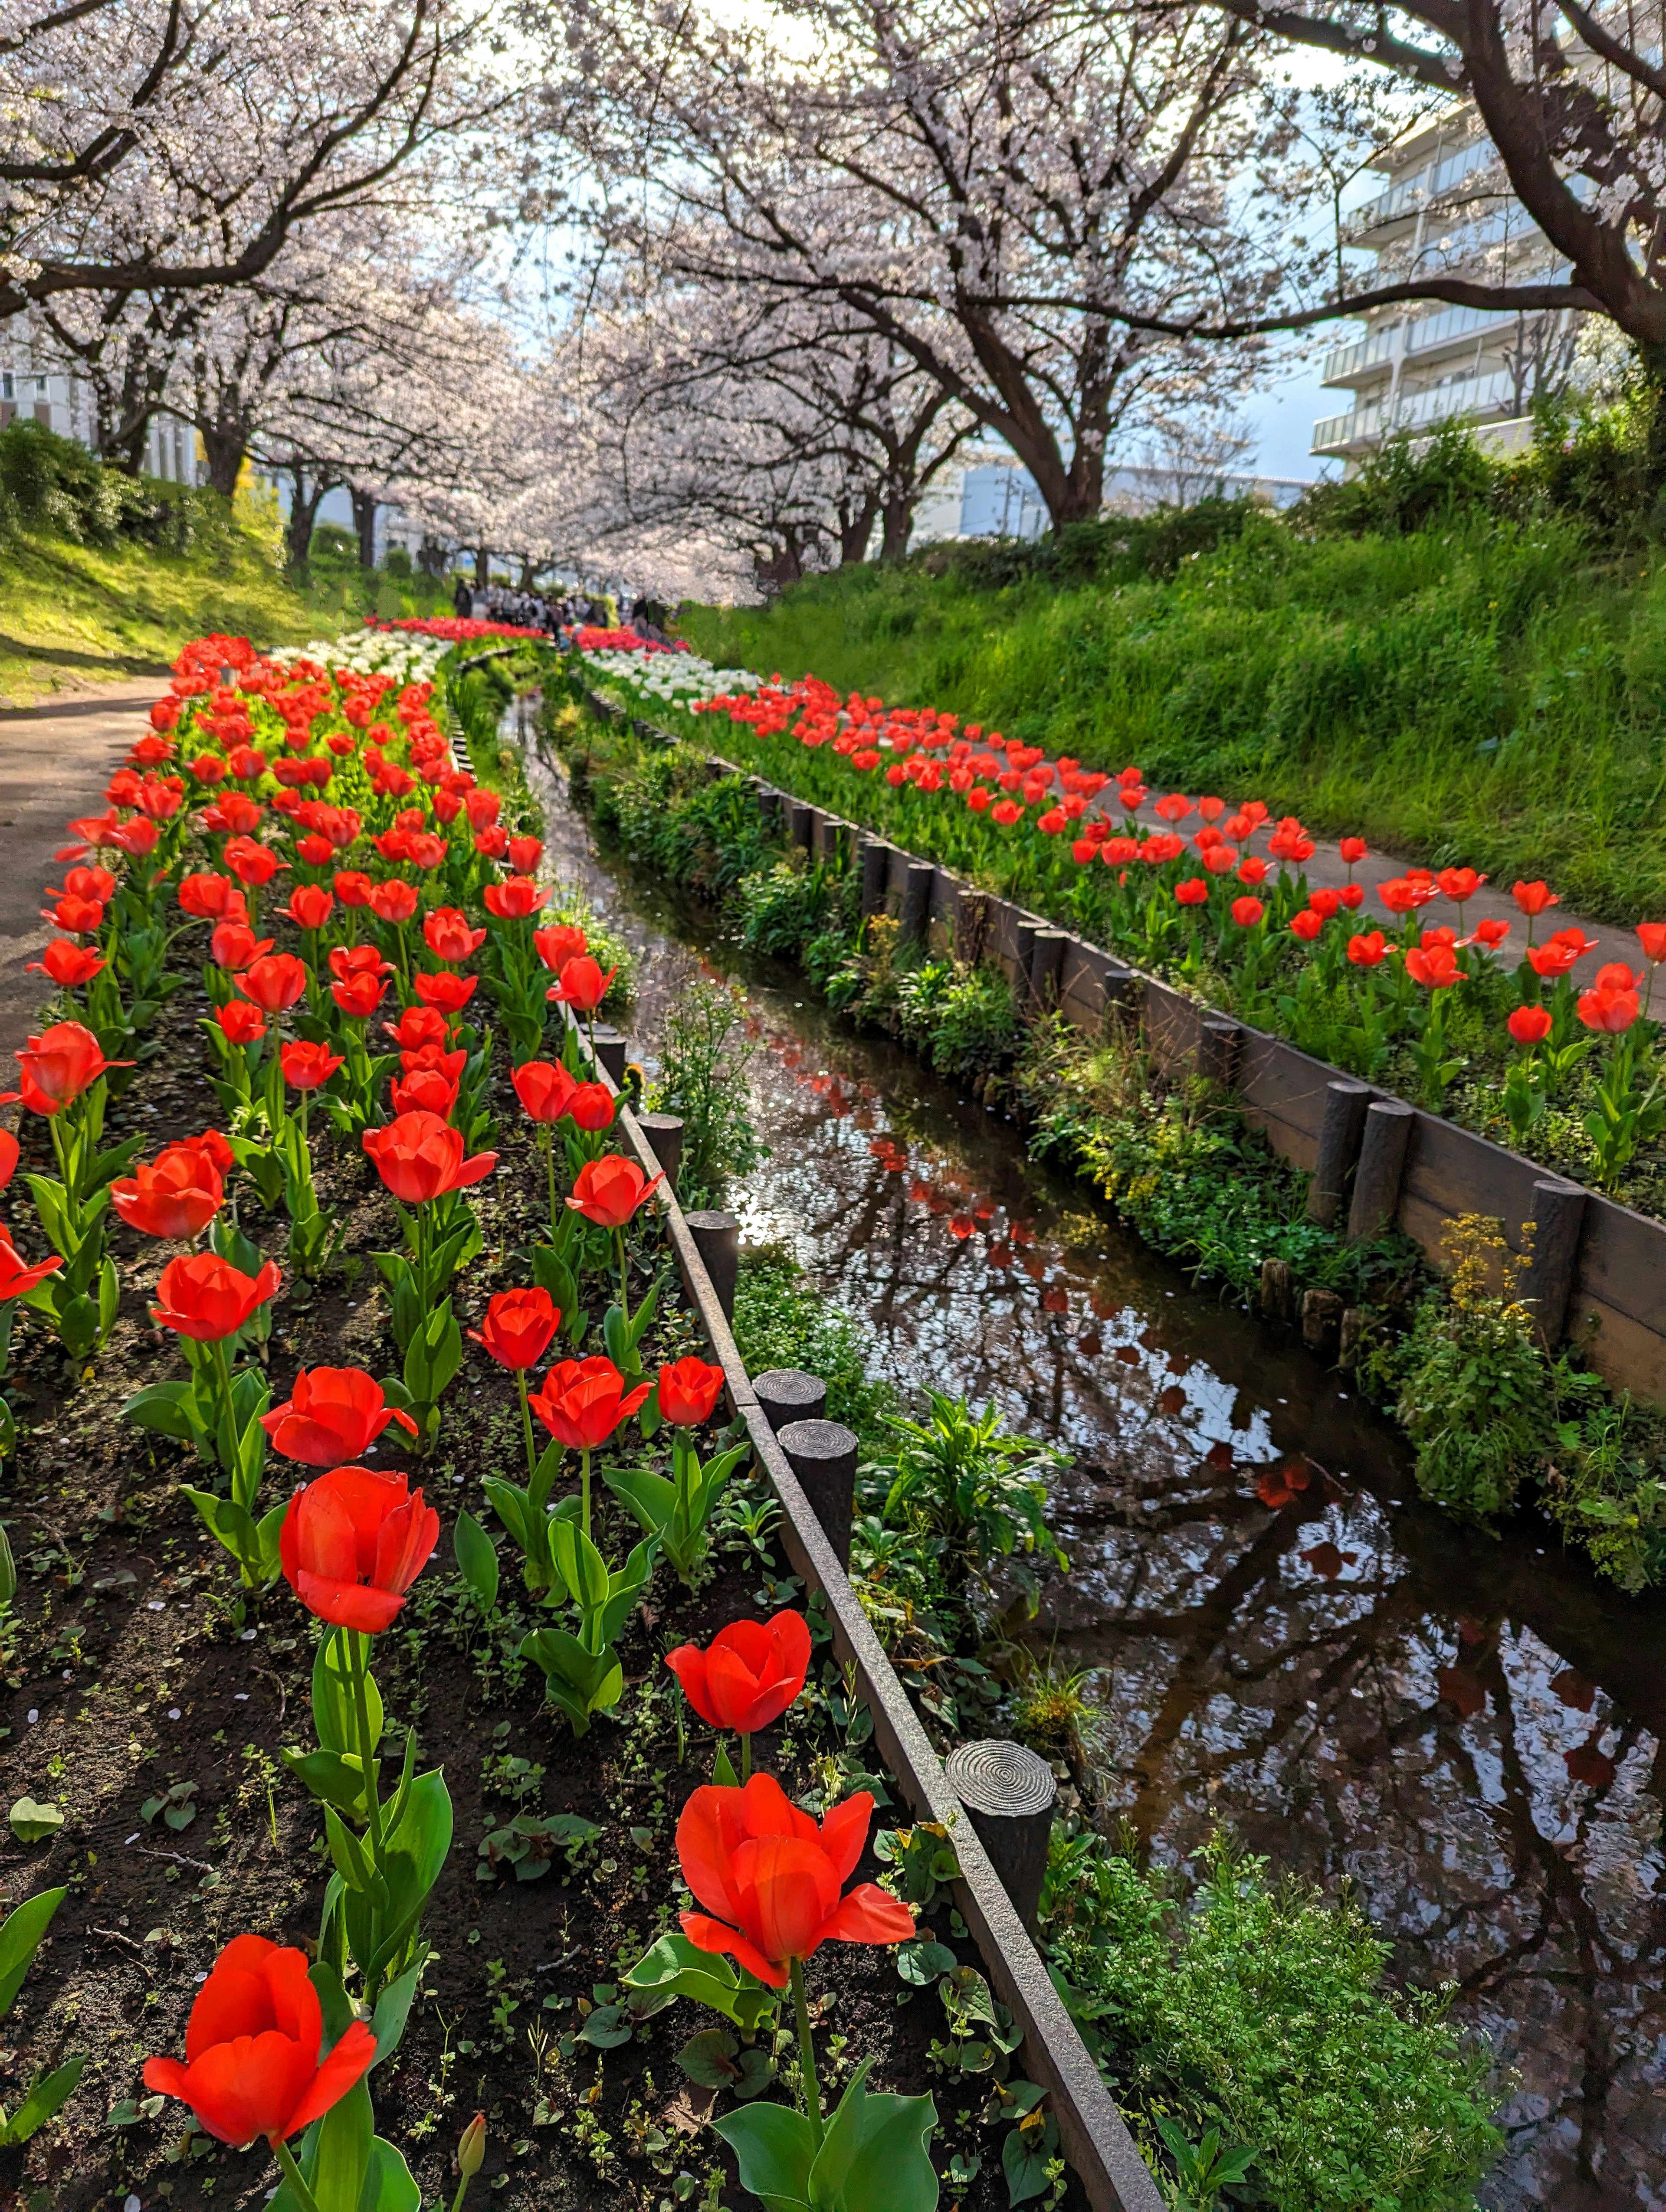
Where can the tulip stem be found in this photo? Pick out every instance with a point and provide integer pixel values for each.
(584, 1490)
(526, 1427)
(550, 1163)
(808, 2082)
(624, 1277)
(373, 1796)
(292, 2173)
(745, 1755)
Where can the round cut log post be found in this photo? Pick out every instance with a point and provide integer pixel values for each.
(1047, 965)
(876, 875)
(1217, 1042)
(1008, 1793)
(788, 1395)
(822, 1455)
(1382, 1164)
(1340, 1133)
(610, 1046)
(717, 1239)
(1559, 1218)
(665, 1132)
(917, 902)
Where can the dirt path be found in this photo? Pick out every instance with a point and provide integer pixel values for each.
(55, 761)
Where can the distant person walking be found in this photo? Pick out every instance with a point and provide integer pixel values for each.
(462, 601)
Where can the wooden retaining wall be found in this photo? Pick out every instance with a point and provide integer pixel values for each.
(1599, 1271)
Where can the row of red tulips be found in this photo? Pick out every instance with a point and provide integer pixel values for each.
(1224, 905)
(276, 2048)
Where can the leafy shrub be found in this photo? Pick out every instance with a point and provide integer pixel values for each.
(781, 907)
(1262, 2007)
(56, 485)
(1415, 478)
(981, 1493)
(704, 1054)
(1473, 1382)
(782, 1319)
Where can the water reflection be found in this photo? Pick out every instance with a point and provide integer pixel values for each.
(1465, 1727)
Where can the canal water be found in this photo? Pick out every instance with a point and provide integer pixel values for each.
(1465, 1728)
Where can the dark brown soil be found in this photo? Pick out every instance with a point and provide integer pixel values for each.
(130, 1667)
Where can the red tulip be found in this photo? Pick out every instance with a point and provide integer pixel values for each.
(252, 863)
(1435, 966)
(424, 1090)
(515, 899)
(1459, 884)
(212, 898)
(1651, 936)
(544, 1089)
(688, 1391)
(1560, 953)
(394, 902)
(448, 937)
(347, 961)
(241, 1023)
(1306, 925)
(71, 967)
(359, 996)
(81, 917)
(419, 1158)
(518, 1327)
(17, 1278)
(331, 1414)
(251, 2064)
(1529, 1025)
(492, 844)
(10, 1152)
(175, 1196)
(233, 945)
(593, 1107)
(582, 985)
(449, 992)
(1192, 892)
(353, 888)
(352, 1544)
(775, 1878)
(308, 1066)
(748, 1675)
(1253, 869)
(608, 1191)
(1352, 850)
(1368, 950)
(584, 1400)
(1534, 898)
(1608, 1010)
(483, 807)
(1489, 935)
(274, 981)
(417, 1026)
(1406, 894)
(525, 854)
(60, 1064)
(310, 906)
(561, 942)
(206, 1298)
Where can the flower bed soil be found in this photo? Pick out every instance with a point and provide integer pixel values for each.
(134, 1668)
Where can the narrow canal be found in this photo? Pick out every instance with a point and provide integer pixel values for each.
(1465, 1728)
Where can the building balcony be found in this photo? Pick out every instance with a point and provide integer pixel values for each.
(1476, 396)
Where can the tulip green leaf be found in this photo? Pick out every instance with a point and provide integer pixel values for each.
(20, 1938)
(31, 1821)
(47, 2095)
(341, 2158)
(476, 1560)
(393, 2011)
(388, 2186)
(773, 2149)
(335, 1777)
(677, 1967)
(876, 2154)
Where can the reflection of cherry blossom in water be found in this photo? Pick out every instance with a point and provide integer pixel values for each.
(1466, 1726)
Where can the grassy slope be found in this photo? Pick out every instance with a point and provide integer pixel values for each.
(1486, 694)
(73, 615)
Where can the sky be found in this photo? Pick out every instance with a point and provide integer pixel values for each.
(1284, 414)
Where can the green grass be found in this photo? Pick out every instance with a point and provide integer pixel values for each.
(72, 614)
(1488, 691)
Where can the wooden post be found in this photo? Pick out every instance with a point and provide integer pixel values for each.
(1024, 953)
(1340, 1133)
(768, 806)
(917, 902)
(1217, 1042)
(1382, 1164)
(876, 875)
(822, 1455)
(788, 1395)
(798, 825)
(1047, 965)
(1009, 1794)
(610, 1046)
(1559, 1216)
(665, 1132)
(717, 1239)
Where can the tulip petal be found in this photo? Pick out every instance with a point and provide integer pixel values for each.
(787, 1889)
(712, 1936)
(248, 2086)
(732, 1688)
(688, 1663)
(403, 1545)
(844, 1832)
(348, 2063)
(707, 1832)
(235, 2000)
(868, 1915)
(474, 1170)
(349, 1604)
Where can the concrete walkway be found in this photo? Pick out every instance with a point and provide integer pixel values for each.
(55, 761)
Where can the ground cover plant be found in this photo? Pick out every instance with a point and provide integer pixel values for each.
(1482, 1024)
(1492, 1419)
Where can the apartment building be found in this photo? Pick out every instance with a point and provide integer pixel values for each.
(64, 403)
(992, 495)
(1445, 206)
